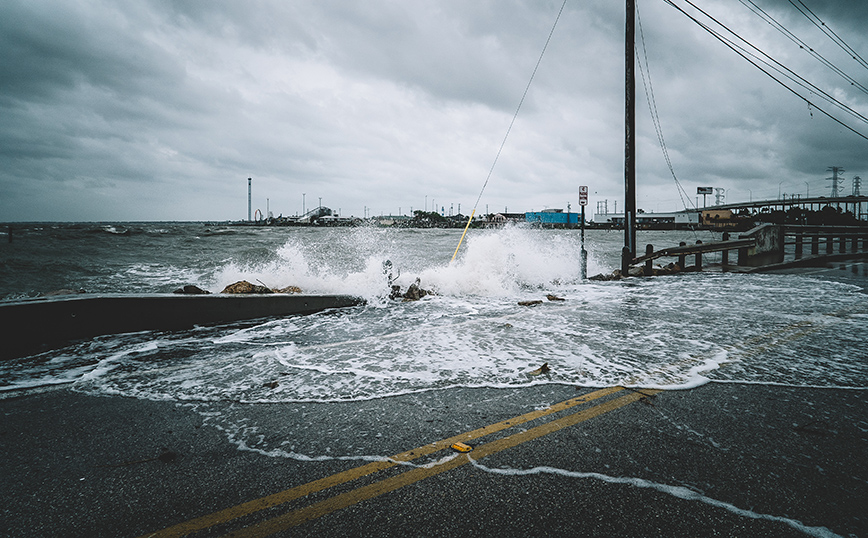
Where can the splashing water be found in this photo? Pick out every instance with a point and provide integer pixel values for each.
(662, 332)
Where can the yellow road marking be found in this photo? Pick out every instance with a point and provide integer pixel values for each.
(275, 499)
(302, 515)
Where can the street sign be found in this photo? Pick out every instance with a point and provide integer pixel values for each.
(583, 201)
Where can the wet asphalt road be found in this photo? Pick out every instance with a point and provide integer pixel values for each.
(718, 460)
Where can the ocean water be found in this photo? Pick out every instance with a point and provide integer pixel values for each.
(808, 328)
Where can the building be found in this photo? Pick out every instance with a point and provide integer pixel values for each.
(552, 218)
(719, 218)
(661, 221)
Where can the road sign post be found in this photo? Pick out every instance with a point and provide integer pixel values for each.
(583, 201)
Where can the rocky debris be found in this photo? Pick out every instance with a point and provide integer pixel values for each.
(604, 277)
(669, 269)
(288, 289)
(243, 287)
(635, 271)
(191, 290)
(544, 369)
(529, 303)
(395, 293)
(271, 385)
(413, 293)
(551, 297)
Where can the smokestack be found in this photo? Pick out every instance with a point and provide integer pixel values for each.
(249, 206)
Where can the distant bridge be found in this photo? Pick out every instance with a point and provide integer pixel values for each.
(858, 205)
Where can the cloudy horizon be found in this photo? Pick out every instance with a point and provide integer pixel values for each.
(161, 110)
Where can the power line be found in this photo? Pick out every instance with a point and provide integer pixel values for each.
(521, 102)
(818, 22)
(778, 67)
(802, 45)
(511, 123)
(748, 56)
(652, 105)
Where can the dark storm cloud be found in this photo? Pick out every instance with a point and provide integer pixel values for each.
(162, 109)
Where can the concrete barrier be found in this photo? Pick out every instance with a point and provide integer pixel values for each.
(768, 248)
(34, 325)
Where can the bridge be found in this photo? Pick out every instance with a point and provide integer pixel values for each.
(857, 205)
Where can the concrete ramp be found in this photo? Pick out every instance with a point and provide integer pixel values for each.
(35, 325)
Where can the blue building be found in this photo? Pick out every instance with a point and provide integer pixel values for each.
(552, 218)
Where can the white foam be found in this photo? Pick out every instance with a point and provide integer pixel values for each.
(679, 492)
(673, 332)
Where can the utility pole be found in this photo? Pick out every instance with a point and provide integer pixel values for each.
(249, 203)
(835, 180)
(629, 250)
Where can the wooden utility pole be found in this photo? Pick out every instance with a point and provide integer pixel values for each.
(629, 250)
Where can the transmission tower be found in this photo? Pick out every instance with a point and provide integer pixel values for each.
(857, 182)
(835, 180)
(719, 197)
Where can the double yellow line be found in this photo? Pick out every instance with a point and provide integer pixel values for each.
(417, 473)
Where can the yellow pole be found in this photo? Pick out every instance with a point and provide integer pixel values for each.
(462, 235)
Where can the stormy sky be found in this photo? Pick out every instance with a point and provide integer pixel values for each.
(161, 110)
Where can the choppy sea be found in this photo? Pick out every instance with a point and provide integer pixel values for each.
(808, 328)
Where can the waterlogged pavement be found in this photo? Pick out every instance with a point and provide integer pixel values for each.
(722, 459)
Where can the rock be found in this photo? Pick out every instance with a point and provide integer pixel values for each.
(395, 293)
(669, 269)
(544, 369)
(529, 303)
(614, 275)
(271, 384)
(288, 289)
(415, 292)
(551, 297)
(191, 290)
(243, 286)
(635, 271)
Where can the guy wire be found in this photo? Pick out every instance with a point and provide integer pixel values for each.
(511, 123)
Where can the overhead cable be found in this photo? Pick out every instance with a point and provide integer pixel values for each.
(753, 59)
(511, 123)
(818, 22)
(652, 106)
(751, 5)
(775, 65)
